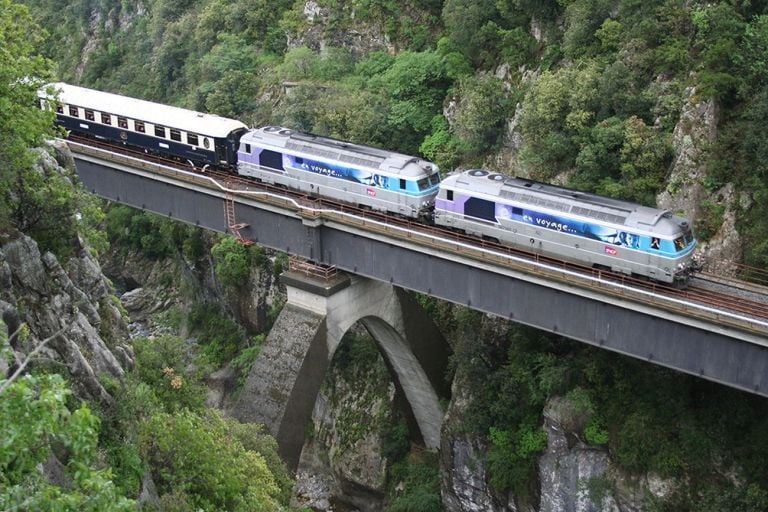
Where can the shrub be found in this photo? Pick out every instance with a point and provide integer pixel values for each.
(202, 458)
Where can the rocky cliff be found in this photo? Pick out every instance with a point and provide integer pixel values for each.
(71, 304)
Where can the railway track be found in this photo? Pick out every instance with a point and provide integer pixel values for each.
(717, 292)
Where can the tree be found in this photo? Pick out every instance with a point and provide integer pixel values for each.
(38, 423)
(482, 108)
(22, 72)
(203, 462)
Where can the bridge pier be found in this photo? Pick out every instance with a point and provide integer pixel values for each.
(281, 389)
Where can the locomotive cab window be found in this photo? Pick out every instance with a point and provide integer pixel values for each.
(59, 109)
(73, 111)
(655, 243)
(89, 115)
(106, 118)
(192, 139)
(139, 126)
(402, 184)
(449, 195)
(122, 122)
(248, 150)
(160, 131)
(423, 183)
(175, 135)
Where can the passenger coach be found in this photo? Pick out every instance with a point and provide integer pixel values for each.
(184, 134)
(366, 176)
(589, 229)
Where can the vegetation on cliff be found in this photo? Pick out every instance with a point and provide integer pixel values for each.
(594, 89)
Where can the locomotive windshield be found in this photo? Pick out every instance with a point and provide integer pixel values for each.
(430, 181)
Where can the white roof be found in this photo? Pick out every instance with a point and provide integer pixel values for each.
(328, 149)
(147, 111)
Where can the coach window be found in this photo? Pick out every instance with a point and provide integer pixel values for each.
(106, 118)
(59, 109)
(122, 122)
(139, 126)
(73, 112)
(192, 139)
(159, 131)
(89, 115)
(175, 135)
(402, 184)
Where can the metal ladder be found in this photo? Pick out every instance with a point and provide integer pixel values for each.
(229, 213)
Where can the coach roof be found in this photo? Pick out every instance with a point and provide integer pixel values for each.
(147, 111)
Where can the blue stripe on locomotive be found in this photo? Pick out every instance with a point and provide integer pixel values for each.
(112, 133)
(262, 157)
(598, 232)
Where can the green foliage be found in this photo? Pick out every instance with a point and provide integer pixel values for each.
(202, 460)
(710, 220)
(37, 422)
(583, 20)
(161, 364)
(395, 442)
(419, 476)
(219, 336)
(481, 112)
(233, 262)
(154, 236)
(441, 146)
(22, 72)
(243, 363)
(512, 457)
(719, 29)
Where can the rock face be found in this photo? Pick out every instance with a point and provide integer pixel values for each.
(686, 191)
(360, 39)
(694, 132)
(73, 304)
(342, 465)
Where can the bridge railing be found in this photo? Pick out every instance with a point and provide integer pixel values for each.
(324, 272)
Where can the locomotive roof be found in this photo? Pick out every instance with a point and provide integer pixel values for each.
(306, 144)
(147, 111)
(567, 201)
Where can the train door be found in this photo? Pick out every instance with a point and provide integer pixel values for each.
(221, 152)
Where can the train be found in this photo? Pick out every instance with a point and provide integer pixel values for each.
(584, 228)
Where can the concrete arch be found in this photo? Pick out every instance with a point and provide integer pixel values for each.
(284, 382)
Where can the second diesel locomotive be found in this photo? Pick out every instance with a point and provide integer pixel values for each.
(566, 224)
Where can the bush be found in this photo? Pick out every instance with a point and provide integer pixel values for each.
(161, 364)
(233, 262)
(220, 337)
(36, 420)
(419, 477)
(201, 460)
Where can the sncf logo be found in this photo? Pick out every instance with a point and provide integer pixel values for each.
(610, 250)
